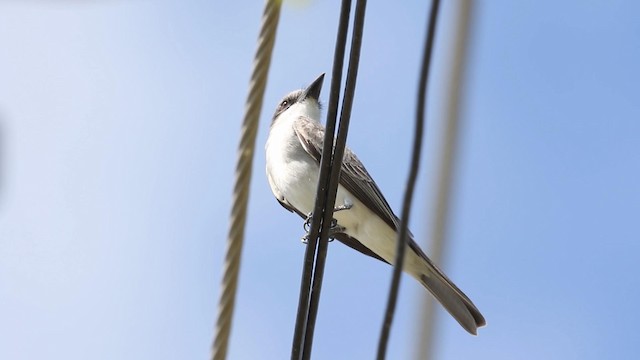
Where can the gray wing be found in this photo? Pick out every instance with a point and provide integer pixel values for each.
(354, 177)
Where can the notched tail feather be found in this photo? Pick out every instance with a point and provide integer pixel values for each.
(454, 300)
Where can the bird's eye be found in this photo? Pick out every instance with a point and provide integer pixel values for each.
(284, 103)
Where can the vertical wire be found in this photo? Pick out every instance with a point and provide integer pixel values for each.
(444, 183)
(240, 199)
(321, 200)
(336, 165)
(413, 174)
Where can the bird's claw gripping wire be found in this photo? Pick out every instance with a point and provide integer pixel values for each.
(334, 228)
(307, 226)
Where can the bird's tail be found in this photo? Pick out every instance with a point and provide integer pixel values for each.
(452, 298)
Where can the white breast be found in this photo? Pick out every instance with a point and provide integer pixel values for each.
(292, 172)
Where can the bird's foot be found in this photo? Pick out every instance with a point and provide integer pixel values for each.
(334, 228)
(306, 226)
(307, 223)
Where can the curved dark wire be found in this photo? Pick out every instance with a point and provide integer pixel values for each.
(411, 181)
(338, 154)
(300, 332)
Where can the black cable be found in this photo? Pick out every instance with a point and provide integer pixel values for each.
(338, 153)
(321, 197)
(413, 173)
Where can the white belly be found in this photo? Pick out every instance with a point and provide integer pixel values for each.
(292, 173)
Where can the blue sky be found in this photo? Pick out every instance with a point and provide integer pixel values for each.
(119, 123)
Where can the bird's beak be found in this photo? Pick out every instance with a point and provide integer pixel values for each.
(313, 90)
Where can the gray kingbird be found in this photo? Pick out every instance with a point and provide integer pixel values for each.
(365, 221)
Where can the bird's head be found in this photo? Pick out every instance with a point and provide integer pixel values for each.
(303, 101)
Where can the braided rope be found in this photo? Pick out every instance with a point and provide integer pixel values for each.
(240, 199)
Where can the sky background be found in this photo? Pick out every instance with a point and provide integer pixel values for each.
(119, 123)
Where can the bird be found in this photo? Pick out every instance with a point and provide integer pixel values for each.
(363, 219)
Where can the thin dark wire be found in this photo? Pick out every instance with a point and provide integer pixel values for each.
(338, 153)
(321, 199)
(411, 181)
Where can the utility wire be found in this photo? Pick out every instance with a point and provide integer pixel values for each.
(413, 174)
(328, 181)
(240, 199)
(334, 175)
(442, 191)
(321, 199)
